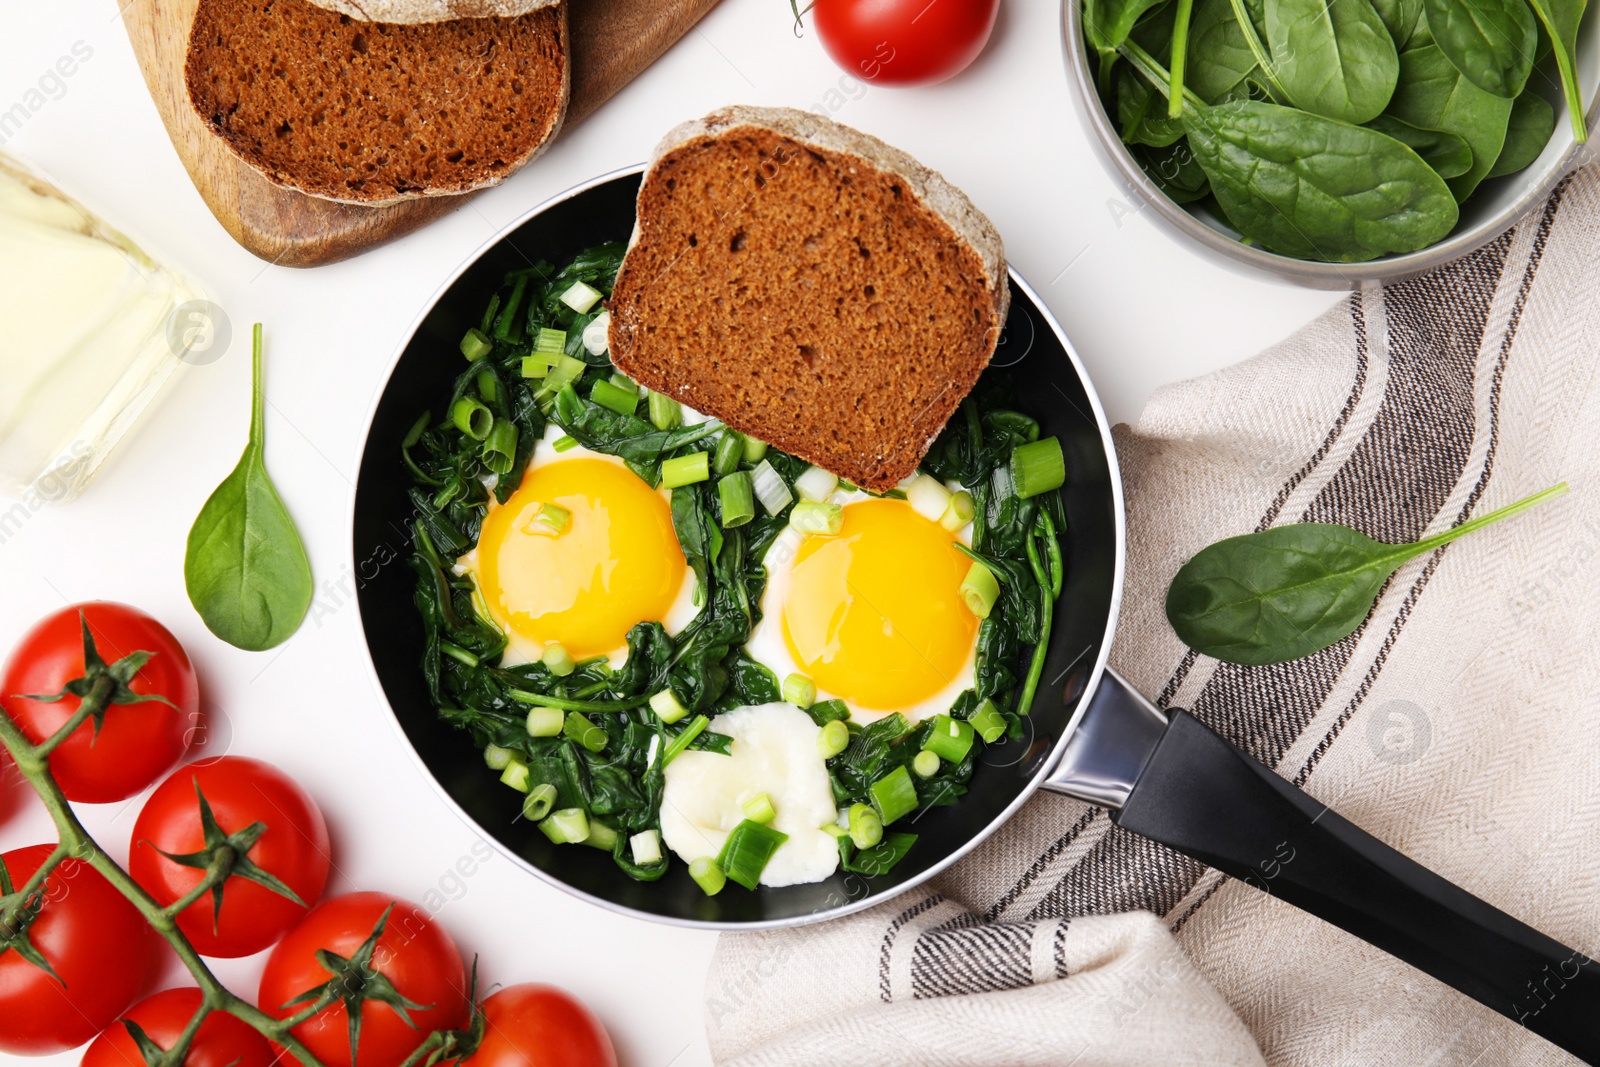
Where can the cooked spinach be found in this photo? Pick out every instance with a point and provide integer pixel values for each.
(704, 664)
(1289, 591)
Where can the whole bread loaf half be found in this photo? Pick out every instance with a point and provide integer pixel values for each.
(810, 286)
(374, 113)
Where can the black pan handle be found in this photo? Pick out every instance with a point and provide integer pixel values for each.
(1205, 798)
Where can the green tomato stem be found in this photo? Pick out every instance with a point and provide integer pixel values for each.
(103, 687)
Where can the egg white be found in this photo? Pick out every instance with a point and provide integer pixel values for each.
(768, 646)
(519, 649)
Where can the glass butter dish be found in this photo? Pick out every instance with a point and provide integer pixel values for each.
(91, 330)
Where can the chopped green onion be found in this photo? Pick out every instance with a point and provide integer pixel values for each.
(475, 344)
(596, 337)
(505, 324)
(729, 453)
(980, 589)
(580, 297)
(834, 739)
(707, 875)
(545, 722)
(646, 847)
(746, 852)
(665, 412)
(737, 497)
(559, 660)
(959, 513)
(759, 808)
(770, 488)
(816, 484)
(516, 776)
(928, 497)
(534, 367)
(835, 831)
(894, 795)
(601, 836)
(812, 517)
(754, 451)
(800, 690)
(989, 722)
(552, 341)
(472, 418)
(569, 826)
(686, 470)
(695, 728)
(667, 707)
(488, 386)
(584, 732)
(551, 520)
(949, 739)
(457, 653)
(567, 370)
(827, 710)
(614, 397)
(564, 443)
(537, 804)
(926, 764)
(622, 381)
(500, 447)
(497, 758)
(866, 826)
(1038, 467)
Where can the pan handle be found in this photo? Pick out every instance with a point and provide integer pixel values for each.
(1205, 798)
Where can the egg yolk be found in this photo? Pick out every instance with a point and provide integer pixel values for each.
(873, 613)
(617, 562)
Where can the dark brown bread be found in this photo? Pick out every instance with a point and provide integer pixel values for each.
(374, 113)
(809, 286)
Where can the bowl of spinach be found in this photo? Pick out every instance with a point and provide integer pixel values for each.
(1333, 144)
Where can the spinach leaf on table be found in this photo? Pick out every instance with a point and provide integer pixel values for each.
(1333, 58)
(1491, 42)
(1446, 153)
(1288, 591)
(1533, 121)
(1561, 19)
(1434, 95)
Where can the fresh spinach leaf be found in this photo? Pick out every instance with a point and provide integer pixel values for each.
(1533, 121)
(1446, 153)
(1142, 112)
(1333, 58)
(1219, 53)
(1561, 19)
(1433, 95)
(1491, 42)
(1111, 21)
(1401, 17)
(1288, 591)
(1174, 169)
(245, 567)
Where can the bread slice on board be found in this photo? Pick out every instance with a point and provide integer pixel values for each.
(810, 286)
(375, 113)
(431, 10)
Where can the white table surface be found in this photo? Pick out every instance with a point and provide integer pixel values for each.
(1140, 307)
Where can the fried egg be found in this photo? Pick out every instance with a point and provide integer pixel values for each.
(617, 563)
(873, 614)
(774, 751)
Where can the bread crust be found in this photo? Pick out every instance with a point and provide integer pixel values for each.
(220, 93)
(867, 392)
(420, 11)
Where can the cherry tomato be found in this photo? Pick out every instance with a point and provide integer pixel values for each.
(137, 743)
(294, 849)
(904, 42)
(536, 1025)
(221, 1041)
(100, 947)
(414, 953)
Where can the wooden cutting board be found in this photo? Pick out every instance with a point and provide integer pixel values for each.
(612, 41)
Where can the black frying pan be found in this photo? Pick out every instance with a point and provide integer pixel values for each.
(1167, 777)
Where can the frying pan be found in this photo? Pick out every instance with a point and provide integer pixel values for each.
(1164, 775)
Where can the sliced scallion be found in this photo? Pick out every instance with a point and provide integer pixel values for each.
(537, 804)
(770, 488)
(800, 690)
(601, 836)
(569, 826)
(686, 470)
(866, 827)
(534, 367)
(665, 412)
(759, 808)
(496, 757)
(564, 443)
(816, 484)
(516, 776)
(925, 764)
(736, 494)
(746, 852)
(551, 520)
(813, 517)
(584, 732)
(596, 339)
(894, 795)
(989, 722)
(1038, 467)
(567, 370)
(928, 497)
(614, 397)
(475, 344)
(980, 589)
(959, 512)
(500, 447)
(581, 296)
(646, 847)
(545, 722)
(729, 453)
(550, 340)
(559, 660)
(667, 707)
(472, 418)
(949, 739)
(754, 451)
(834, 739)
(707, 875)
(488, 386)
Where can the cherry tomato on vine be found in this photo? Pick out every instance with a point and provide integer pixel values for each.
(290, 853)
(139, 739)
(904, 42)
(221, 1041)
(99, 946)
(541, 1025)
(422, 966)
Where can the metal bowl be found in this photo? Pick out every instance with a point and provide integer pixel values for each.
(1496, 205)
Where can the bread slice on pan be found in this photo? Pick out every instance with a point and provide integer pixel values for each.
(374, 113)
(810, 286)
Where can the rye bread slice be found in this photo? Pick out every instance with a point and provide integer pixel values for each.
(376, 113)
(810, 286)
(431, 10)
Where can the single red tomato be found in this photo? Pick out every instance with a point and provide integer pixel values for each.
(221, 1041)
(137, 742)
(240, 792)
(535, 1025)
(414, 953)
(100, 947)
(904, 42)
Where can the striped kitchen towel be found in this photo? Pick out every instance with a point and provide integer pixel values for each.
(1460, 724)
